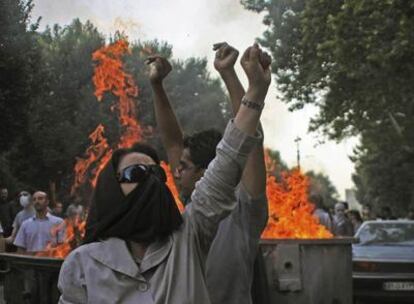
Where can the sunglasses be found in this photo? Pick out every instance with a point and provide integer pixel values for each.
(139, 173)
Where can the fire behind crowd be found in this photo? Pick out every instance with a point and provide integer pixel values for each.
(210, 218)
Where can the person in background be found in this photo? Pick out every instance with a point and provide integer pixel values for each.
(367, 214)
(355, 218)
(39, 230)
(4, 195)
(319, 212)
(342, 226)
(58, 209)
(14, 207)
(25, 201)
(5, 219)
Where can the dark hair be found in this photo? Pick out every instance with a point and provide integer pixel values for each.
(202, 146)
(47, 194)
(137, 147)
(346, 205)
(147, 150)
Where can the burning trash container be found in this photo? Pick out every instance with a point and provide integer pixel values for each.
(309, 271)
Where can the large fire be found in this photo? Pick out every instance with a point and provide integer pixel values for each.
(290, 212)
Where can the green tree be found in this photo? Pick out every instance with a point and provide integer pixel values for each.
(352, 59)
(18, 65)
(384, 173)
(19, 80)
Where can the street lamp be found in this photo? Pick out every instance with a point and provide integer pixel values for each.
(297, 141)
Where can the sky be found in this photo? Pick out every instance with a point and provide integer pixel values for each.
(192, 27)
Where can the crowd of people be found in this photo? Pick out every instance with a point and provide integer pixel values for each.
(28, 223)
(342, 221)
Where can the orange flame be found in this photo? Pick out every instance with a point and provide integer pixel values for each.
(290, 212)
(110, 76)
(74, 232)
(99, 150)
(171, 185)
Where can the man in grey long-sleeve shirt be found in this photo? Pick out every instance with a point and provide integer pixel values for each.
(229, 267)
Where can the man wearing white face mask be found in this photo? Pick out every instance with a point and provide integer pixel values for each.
(25, 200)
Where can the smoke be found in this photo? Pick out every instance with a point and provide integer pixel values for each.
(61, 12)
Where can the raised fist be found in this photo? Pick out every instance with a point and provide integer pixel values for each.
(256, 65)
(226, 56)
(159, 68)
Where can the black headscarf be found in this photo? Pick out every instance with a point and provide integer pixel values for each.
(146, 214)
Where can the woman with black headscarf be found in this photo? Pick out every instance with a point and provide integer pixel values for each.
(138, 248)
(147, 213)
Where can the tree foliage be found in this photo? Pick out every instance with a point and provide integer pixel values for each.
(384, 174)
(19, 61)
(353, 60)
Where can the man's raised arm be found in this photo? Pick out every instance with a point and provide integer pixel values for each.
(214, 195)
(170, 130)
(254, 174)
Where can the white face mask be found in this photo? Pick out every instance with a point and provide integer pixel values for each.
(24, 201)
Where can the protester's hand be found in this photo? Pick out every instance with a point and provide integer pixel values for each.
(256, 65)
(226, 56)
(159, 68)
(265, 60)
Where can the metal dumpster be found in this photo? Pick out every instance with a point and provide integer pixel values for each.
(299, 271)
(309, 271)
(29, 279)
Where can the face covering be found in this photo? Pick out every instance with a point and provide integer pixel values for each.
(24, 201)
(146, 214)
